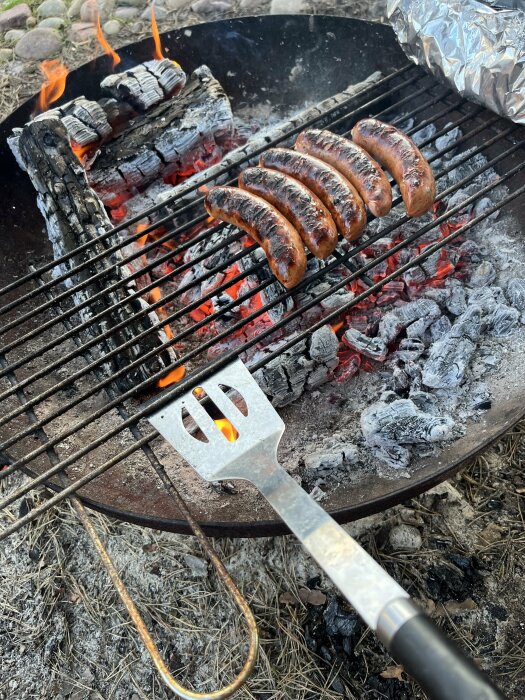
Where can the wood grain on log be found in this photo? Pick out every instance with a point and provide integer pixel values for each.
(75, 215)
(168, 139)
(147, 84)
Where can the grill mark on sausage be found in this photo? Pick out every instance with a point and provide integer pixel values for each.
(277, 237)
(400, 155)
(337, 194)
(353, 162)
(297, 203)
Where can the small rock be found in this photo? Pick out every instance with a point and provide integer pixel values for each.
(74, 9)
(172, 4)
(198, 567)
(455, 608)
(205, 8)
(287, 7)
(13, 35)
(6, 55)
(91, 9)
(405, 537)
(160, 12)
(249, 5)
(112, 27)
(312, 597)
(126, 13)
(52, 22)
(132, 3)
(491, 533)
(38, 44)
(31, 22)
(82, 31)
(51, 8)
(15, 17)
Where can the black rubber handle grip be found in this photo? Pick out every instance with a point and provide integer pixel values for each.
(438, 665)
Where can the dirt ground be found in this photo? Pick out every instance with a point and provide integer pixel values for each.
(64, 634)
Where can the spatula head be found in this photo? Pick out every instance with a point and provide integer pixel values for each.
(212, 454)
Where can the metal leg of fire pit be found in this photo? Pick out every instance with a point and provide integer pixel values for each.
(140, 625)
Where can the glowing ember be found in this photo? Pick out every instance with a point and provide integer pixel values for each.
(108, 50)
(81, 151)
(227, 429)
(143, 239)
(55, 74)
(172, 378)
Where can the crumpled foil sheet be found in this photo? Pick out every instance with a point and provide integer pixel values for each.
(478, 49)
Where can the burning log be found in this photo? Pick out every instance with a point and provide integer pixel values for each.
(145, 85)
(74, 215)
(171, 138)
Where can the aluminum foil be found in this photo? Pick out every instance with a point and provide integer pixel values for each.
(479, 49)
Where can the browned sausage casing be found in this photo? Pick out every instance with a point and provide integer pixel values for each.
(298, 204)
(268, 227)
(399, 154)
(353, 162)
(333, 189)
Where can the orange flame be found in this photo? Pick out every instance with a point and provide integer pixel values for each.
(80, 151)
(227, 429)
(55, 74)
(156, 36)
(115, 58)
(172, 377)
(142, 240)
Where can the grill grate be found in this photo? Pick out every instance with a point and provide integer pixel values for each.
(406, 94)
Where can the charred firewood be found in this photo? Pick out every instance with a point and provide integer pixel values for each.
(170, 138)
(74, 215)
(147, 84)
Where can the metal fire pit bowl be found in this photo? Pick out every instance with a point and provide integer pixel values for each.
(253, 58)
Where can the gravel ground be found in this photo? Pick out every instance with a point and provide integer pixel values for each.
(458, 549)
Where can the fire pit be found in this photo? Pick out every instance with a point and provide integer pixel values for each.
(413, 293)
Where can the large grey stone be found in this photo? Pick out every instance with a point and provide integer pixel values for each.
(38, 44)
(53, 22)
(14, 18)
(13, 35)
(82, 31)
(51, 8)
(91, 9)
(208, 8)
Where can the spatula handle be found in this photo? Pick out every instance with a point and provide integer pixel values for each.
(439, 667)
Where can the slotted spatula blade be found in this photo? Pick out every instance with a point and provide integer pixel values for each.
(440, 668)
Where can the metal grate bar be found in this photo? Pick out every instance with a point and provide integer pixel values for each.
(131, 238)
(210, 369)
(194, 377)
(192, 187)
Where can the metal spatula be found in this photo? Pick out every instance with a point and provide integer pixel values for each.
(442, 671)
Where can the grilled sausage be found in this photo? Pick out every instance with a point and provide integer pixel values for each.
(353, 162)
(333, 189)
(399, 154)
(300, 206)
(268, 227)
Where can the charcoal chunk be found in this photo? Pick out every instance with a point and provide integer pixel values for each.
(402, 422)
(483, 275)
(515, 293)
(395, 320)
(450, 356)
(502, 321)
(370, 347)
